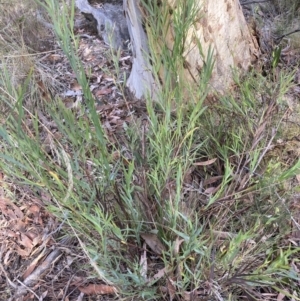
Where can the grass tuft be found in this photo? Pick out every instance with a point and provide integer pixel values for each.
(193, 182)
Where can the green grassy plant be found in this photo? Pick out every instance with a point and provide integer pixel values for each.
(195, 177)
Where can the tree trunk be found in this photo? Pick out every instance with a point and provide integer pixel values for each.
(219, 26)
(141, 80)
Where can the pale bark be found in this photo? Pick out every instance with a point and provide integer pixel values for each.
(222, 27)
(114, 28)
(141, 81)
(219, 24)
(111, 24)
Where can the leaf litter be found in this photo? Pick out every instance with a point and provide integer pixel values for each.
(31, 255)
(28, 228)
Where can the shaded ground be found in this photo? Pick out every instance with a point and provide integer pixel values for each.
(33, 253)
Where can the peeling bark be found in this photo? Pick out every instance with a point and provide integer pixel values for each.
(223, 27)
(111, 23)
(219, 25)
(141, 80)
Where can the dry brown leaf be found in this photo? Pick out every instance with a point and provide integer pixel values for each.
(33, 235)
(108, 79)
(75, 86)
(143, 263)
(186, 296)
(87, 51)
(29, 270)
(9, 233)
(19, 226)
(153, 242)
(27, 245)
(25, 241)
(44, 91)
(223, 234)
(192, 296)
(80, 297)
(10, 213)
(212, 180)
(44, 295)
(54, 58)
(161, 273)
(98, 289)
(163, 289)
(77, 281)
(116, 155)
(280, 297)
(7, 257)
(33, 278)
(34, 210)
(125, 58)
(68, 95)
(6, 205)
(23, 253)
(115, 120)
(108, 126)
(171, 288)
(205, 163)
(177, 245)
(33, 264)
(104, 91)
(210, 190)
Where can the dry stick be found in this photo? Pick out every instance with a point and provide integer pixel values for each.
(36, 275)
(7, 277)
(26, 288)
(67, 287)
(253, 2)
(287, 34)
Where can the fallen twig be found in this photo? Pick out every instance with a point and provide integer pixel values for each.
(253, 2)
(287, 34)
(32, 279)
